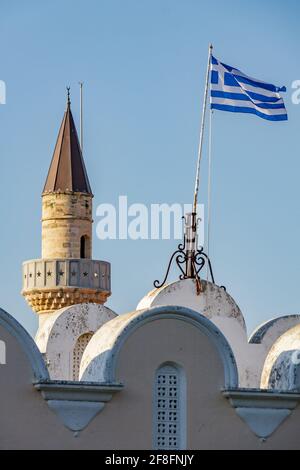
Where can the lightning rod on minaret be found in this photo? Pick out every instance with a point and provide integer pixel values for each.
(81, 116)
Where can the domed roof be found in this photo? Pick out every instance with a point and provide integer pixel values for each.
(281, 369)
(214, 302)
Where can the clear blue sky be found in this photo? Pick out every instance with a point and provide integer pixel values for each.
(143, 64)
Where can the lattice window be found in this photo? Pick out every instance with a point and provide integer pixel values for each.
(78, 351)
(168, 408)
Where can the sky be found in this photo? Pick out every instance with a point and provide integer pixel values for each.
(143, 66)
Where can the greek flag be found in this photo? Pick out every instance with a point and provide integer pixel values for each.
(232, 90)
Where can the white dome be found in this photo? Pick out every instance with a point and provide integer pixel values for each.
(282, 366)
(59, 332)
(214, 302)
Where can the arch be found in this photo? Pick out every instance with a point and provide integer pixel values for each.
(57, 336)
(281, 369)
(280, 326)
(184, 293)
(78, 351)
(83, 246)
(169, 407)
(285, 371)
(27, 344)
(100, 358)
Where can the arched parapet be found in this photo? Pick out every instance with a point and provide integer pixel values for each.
(216, 304)
(260, 343)
(15, 329)
(213, 302)
(271, 330)
(99, 361)
(281, 370)
(61, 333)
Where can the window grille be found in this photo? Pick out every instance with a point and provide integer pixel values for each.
(168, 407)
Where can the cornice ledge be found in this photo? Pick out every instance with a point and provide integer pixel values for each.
(76, 403)
(262, 410)
(259, 398)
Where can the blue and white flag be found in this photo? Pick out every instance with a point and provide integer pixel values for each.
(232, 90)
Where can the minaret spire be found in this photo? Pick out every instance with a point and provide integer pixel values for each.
(67, 171)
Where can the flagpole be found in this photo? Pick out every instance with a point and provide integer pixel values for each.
(188, 252)
(197, 181)
(81, 117)
(209, 184)
(191, 219)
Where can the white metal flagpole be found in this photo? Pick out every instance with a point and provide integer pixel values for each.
(191, 220)
(197, 181)
(209, 184)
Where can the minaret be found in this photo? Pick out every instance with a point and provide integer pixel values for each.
(66, 274)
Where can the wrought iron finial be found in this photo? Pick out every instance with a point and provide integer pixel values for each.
(189, 259)
(68, 96)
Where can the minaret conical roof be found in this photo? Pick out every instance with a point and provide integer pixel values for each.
(67, 170)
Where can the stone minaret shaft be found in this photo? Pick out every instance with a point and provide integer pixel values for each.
(67, 225)
(66, 274)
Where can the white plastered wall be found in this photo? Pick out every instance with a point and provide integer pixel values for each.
(217, 305)
(59, 331)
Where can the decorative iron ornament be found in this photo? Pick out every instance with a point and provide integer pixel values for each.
(198, 260)
(189, 261)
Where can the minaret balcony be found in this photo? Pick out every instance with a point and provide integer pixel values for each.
(50, 284)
